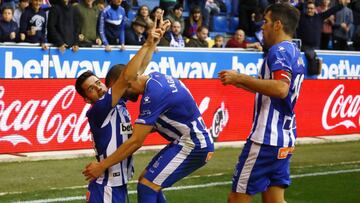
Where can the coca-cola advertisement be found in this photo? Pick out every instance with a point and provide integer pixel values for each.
(48, 114)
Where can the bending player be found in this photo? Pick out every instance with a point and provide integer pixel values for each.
(108, 117)
(168, 107)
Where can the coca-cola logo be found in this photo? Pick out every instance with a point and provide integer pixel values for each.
(220, 118)
(47, 120)
(341, 110)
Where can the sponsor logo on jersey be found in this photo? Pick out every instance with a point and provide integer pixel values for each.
(125, 128)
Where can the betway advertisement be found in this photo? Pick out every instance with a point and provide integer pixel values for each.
(31, 62)
(47, 114)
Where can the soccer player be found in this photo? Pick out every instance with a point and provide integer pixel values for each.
(110, 122)
(168, 107)
(263, 165)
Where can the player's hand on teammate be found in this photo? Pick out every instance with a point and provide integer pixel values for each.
(229, 77)
(93, 170)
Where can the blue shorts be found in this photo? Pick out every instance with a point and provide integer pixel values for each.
(105, 194)
(174, 162)
(261, 166)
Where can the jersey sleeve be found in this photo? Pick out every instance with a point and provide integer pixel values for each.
(99, 111)
(153, 103)
(280, 58)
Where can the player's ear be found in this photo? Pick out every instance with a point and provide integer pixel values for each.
(278, 25)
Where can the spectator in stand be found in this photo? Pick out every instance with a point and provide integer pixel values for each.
(193, 22)
(126, 5)
(310, 24)
(136, 34)
(341, 28)
(33, 24)
(176, 14)
(63, 31)
(219, 41)
(19, 10)
(238, 41)
(200, 39)
(156, 12)
(246, 9)
(144, 13)
(112, 25)
(173, 38)
(167, 6)
(9, 31)
(201, 5)
(326, 31)
(211, 9)
(355, 7)
(88, 16)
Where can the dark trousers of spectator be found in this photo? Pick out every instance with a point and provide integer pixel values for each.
(340, 44)
(245, 18)
(325, 40)
(314, 63)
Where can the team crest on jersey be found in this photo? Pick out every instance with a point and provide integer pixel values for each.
(125, 128)
(146, 100)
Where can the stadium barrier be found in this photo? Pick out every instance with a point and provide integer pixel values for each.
(40, 110)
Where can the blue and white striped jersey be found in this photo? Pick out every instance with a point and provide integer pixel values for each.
(111, 127)
(169, 106)
(274, 118)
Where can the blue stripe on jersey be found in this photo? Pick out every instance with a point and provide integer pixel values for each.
(170, 135)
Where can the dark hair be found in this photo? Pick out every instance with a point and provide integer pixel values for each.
(80, 80)
(113, 74)
(218, 36)
(177, 7)
(288, 15)
(7, 8)
(200, 28)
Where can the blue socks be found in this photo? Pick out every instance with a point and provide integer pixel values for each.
(147, 195)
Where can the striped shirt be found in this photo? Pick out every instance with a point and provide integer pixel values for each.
(274, 118)
(111, 127)
(169, 106)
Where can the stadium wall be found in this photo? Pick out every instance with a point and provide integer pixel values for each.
(40, 110)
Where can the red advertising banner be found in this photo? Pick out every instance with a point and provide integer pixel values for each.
(47, 114)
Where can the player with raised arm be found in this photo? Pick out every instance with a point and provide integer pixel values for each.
(110, 122)
(264, 164)
(168, 107)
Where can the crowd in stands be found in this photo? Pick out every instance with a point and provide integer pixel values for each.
(324, 24)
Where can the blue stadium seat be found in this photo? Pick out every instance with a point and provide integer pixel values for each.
(150, 3)
(220, 24)
(131, 14)
(233, 24)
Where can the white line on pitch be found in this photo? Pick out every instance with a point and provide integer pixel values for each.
(194, 186)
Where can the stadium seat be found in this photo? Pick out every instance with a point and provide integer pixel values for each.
(220, 24)
(150, 3)
(233, 24)
(131, 14)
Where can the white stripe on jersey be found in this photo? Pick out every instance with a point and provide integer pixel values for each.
(185, 139)
(199, 135)
(258, 134)
(248, 166)
(274, 132)
(124, 163)
(111, 148)
(174, 164)
(107, 194)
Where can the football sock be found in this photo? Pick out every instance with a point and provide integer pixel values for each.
(161, 197)
(146, 194)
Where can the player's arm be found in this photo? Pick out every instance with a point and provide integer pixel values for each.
(277, 87)
(95, 169)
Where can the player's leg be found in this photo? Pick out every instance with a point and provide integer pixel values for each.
(274, 194)
(250, 175)
(235, 197)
